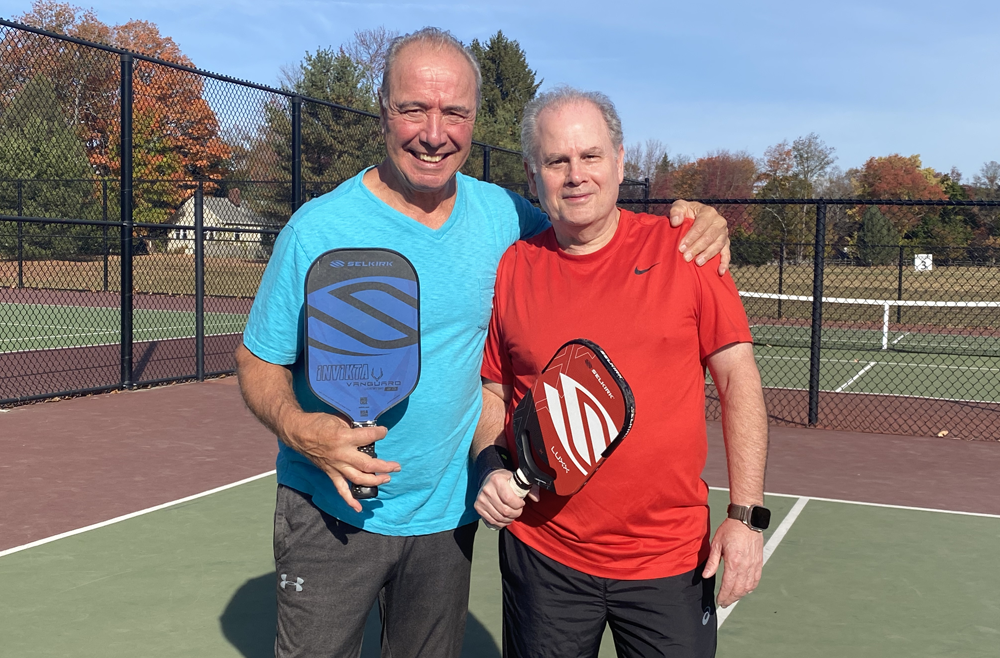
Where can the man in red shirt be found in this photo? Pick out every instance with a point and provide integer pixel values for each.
(632, 548)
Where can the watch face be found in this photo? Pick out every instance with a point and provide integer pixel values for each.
(760, 517)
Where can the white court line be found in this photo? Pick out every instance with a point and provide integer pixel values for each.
(881, 363)
(865, 504)
(115, 344)
(132, 515)
(900, 338)
(855, 377)
(772, 543)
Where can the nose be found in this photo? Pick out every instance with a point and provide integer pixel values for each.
(577, 173)
(433, 134)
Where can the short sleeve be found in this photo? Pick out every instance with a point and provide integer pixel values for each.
(496, 358)
(721, 319)
(530, 219)
(274, 329)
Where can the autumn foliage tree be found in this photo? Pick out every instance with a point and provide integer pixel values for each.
(176, 134)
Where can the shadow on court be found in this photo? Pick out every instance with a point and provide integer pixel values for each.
(248, 624)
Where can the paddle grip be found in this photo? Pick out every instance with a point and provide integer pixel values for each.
(519, 483)
(361, 492)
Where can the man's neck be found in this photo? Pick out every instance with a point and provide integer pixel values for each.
(431, 209)
(587, 239)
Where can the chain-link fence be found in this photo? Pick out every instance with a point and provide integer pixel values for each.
(863, 335)
(145, 272)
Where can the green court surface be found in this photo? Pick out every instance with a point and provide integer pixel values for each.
(197, 579)
(36, 326)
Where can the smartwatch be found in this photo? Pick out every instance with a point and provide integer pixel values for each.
(755, 517)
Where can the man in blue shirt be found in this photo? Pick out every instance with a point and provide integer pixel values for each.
(411, 547)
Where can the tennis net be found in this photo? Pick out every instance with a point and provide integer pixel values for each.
(927, 327)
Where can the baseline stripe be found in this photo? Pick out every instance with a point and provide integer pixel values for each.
(886, 505)
(132, 515)
(772, 543)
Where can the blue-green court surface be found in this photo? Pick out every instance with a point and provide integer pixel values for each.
(197, 579)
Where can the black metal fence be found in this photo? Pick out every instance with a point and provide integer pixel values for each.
(852, 334)
(145, 272)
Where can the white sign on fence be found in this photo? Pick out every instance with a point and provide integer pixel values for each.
(923, 262)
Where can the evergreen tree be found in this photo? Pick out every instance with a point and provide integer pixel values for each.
(336, 143)
(39, 148)
(877, 238)
(508, 84)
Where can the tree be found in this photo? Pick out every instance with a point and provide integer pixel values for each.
(719, 175)
(40, 151)
(898, 177)
(644, 160)
(368, 50)
(508, 84)
(336, 143)
(877, 238)
(813, 159)
(177, 135)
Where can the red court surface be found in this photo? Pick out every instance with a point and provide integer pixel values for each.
(71, 463)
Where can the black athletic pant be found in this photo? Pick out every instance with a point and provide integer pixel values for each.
(329, 575)
(553, 611)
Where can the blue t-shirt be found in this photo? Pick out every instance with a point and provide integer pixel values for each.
(431, 432)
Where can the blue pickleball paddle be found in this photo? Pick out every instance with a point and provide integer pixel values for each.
(362, 326)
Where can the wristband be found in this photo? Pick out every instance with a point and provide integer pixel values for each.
(493, 458)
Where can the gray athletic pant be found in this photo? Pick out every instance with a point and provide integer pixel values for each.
(329, 575)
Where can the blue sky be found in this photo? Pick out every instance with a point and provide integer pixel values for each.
(871, 78)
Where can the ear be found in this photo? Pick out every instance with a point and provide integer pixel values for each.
(621, 163)
(531, 178)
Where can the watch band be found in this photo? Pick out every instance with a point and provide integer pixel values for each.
(745, 514)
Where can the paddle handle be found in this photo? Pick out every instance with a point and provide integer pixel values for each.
(361, 492)
(519, 483)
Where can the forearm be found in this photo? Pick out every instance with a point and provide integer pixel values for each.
(267, 392)
(489, 430)
(744, 426)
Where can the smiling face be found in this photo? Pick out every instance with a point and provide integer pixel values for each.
(578, 167)
(428, 118)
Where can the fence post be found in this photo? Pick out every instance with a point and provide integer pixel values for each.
(126, 219)
(199, 280)
(487, 174)
(899, 287)
(296, 152)
(20, 234)
(645, 195)
(819, 256)
(104, 216)
(781, 273)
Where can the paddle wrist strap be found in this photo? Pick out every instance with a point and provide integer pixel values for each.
(493, 458)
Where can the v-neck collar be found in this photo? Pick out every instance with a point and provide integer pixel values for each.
(409, 222)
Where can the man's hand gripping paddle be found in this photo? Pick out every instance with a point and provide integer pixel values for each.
(576, 413)
(362, 329)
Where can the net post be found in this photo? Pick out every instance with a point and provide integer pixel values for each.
(899, 287)
(487, 174)
(781, 273)
(885, 325)
(199, 280)
(126, 219)
(817, 313)
(645, 197)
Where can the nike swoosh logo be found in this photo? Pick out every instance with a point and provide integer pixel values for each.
(638, 271)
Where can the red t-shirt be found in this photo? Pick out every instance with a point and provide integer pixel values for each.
(644, 514)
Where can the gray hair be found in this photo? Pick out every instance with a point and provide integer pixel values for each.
(432, 36)
(557, 98)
